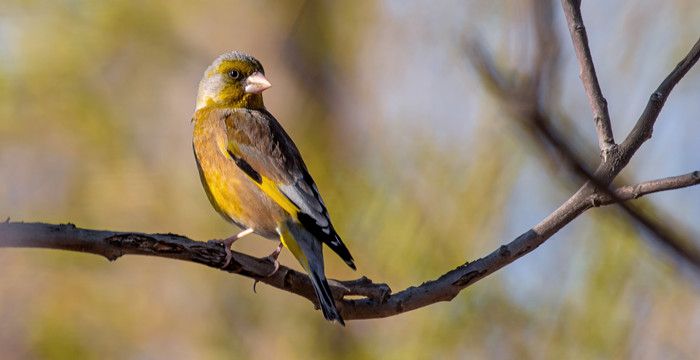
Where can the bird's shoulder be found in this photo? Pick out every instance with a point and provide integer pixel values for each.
(263, 143)
(258, 138)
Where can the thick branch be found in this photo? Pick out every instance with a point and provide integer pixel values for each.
(113, 245)
(606, 142)
(378, 300)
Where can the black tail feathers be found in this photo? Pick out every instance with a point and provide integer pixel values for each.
(325, 298)
(328, 237)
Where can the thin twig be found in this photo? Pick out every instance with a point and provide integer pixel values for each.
(630, 192)
(645, 124)
(522, 103)
(599, 106)
(595, 187)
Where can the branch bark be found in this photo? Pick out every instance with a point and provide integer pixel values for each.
(112, 245)
(644, 127)
(522, 103)
(601, 117)
(649, 187)
(378, 300)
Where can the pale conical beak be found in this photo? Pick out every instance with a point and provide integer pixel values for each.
(256, 83)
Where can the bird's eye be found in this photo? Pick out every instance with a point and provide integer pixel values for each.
(234, 74)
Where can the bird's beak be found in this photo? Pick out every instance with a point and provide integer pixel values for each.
(256, 83)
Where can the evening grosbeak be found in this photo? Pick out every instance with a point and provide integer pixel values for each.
(254, 175)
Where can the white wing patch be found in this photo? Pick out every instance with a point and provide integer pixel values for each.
(308, 204)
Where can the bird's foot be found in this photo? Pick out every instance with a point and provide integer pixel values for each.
(228, 242)
(273, 258)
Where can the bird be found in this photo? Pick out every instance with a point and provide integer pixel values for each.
(254, 175)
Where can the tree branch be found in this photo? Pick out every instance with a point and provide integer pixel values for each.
(645, 124)
(630, 192)
(601, 117)
(522, 103)
(112, 245)
(378, 301)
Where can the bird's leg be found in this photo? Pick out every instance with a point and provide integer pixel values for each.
(272, 257)
(228, 242)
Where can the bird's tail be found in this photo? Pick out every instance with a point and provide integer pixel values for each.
(307, 250)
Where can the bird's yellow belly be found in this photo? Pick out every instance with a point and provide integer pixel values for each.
(236, 197)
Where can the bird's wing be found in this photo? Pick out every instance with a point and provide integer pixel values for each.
(260, 147)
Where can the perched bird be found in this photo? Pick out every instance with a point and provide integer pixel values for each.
(254, 175)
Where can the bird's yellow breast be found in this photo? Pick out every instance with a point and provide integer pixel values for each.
(231, 192)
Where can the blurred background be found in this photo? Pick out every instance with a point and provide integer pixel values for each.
(419, 164)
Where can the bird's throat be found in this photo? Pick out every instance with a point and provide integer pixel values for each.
(247, 101)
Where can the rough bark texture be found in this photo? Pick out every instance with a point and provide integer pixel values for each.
(378, 300)
(597, 101)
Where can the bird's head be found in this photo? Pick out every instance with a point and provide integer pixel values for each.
(234, 79)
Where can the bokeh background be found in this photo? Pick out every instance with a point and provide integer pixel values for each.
(420, 167)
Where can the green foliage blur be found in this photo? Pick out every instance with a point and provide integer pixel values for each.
(419, 167)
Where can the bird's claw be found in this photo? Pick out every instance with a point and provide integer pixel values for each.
(229, 257)
(276, 263)
(227, 243)
(272, 258)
